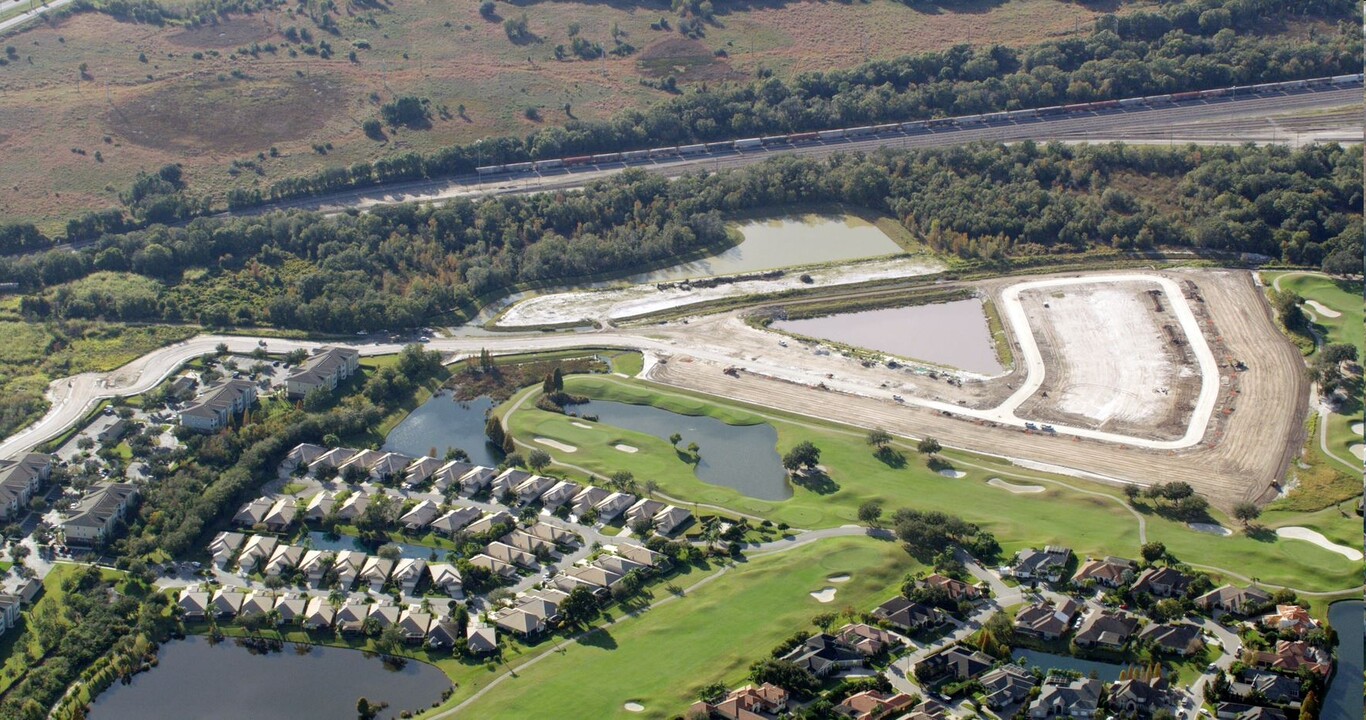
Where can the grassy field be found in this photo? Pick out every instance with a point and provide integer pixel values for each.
(661, 658)
(1098, 522)
(152, 95)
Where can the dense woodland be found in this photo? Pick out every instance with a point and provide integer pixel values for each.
(400, 266)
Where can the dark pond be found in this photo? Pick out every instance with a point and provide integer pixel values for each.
(444, 422)
(226, 682)
(1109, 672)
(743, 457)
(1343, 701)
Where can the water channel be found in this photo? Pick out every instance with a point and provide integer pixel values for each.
(444, 422)
(953, 334)
(742, 457)
(227, 682)
(1109, 672)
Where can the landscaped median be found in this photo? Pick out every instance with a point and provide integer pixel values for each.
(1099, 520)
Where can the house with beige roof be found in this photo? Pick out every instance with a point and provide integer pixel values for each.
(323, 371)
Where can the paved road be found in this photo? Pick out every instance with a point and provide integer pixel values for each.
(1138, 123)
(20, 19)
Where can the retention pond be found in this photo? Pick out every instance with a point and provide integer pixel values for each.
(224, 681)
(444, 422)
(953, 334)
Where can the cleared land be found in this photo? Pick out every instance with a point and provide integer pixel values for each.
(1117, 360)
(447, 53)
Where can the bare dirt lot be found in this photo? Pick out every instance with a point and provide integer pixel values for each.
(1256, 428)
(1117, 360)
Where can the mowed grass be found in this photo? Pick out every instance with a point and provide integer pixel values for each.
(146, 91)
(662, 657)
(1090, 518)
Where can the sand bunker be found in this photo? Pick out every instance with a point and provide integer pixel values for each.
(556, 444)
(824, 595)
(634, 707)
(838, 578)
(1322, 309)
(626, 448)
(1358, 450)
(1317, 538)
(585, 426)
(1012, 487)
(1210, 528)
(1358, 427)
(951, 473)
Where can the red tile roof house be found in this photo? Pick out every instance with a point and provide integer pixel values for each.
(867, 639)
(1112, 572)
(1291, 655)
(1290, 618)
(871, 704)
(957, 589)
(748, 703)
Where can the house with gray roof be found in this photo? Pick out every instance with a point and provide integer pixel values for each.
(328, 367)
(1112, 572)
(1162, 582)
(1046, 564)
(1106, 629)
(420, 516)
(96, 517)
(213, 410)
(1182, 639)
(1006, 685)
(20, 478)
(1046, 620)
(456, 520)
(480, 640)
(1062, 697)
(1233, 599)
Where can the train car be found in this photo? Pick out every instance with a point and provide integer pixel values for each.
(748, 143)
(887, 128)
(1181, 96)
(549, 164)
(774, 140)
(941, 122)
(489, 169)
(578, 160)
(631, 155)
(803, 137)
(994, 117)
(913, 126)
(972, 120)
(1157, 99)
(1345, 79)
(1022, 114)
(831, 134)
(723, 146)
(1131, 102)
(1105, 105)
(1052, 110)
(697, 149)
(859, 131)
(519, 167)
(606, 157)
(663, 152)
(1218, 92)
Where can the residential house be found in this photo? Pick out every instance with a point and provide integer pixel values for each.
(319, 506)
(613, 506)
(957, 590)
(497, 567)
(350, 617)
(1047, 564)
(643, 511)
(213, 410)
(315, 564)
(928, 710)
(1005, 686)
(480, 639)
(331, 460)
(96, 518)
(384, 613)
(301, 455)
(748, 703)
(408, 573)
(638, 553)
(587, 499)
(869, 640)
(284, 560)
(548, 611)
(1062, 697)
(421, 469)
(1291, 655)
(182, 388)
(28, 591)
(1162, 582)
(1291, 619)
(1236, 600)
(1274, 687)
(507, 481)
(618, 564)
(531, 489)
(472, 482)
(20, 478)
(1240, 711)
(593, 576)
(193, 603)
(1140, 698)
(669, 520)
(257, 604)
(421, 516)
(348, 565)
(446, 578)
(414, 626)
(559, 494)
(455, 520)
(281, 514)
(511, 555)
(1046, 620)
(1112, 572)
(256, 551)
(352, 507)
(907, 615)
(519, 623)
(1106, 629)
(113, 432)
(957, 662)
(442, 633)
(318, 614)
(389, 467)
(253, 513)
(526, 542)
(290, 608)
(376, 572)
(323, 371)
(490, 522)
(359, 464)
(1182, 639)
(226, 602)
(872, 704)
(450, 473)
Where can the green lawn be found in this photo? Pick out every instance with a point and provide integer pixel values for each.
(1097, 522)
(1341, 296)
(661, 658)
